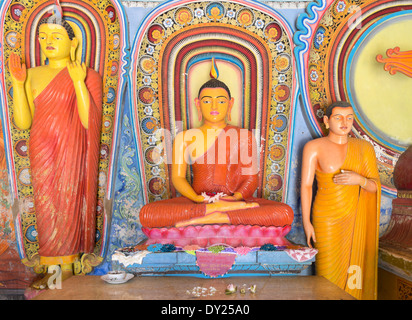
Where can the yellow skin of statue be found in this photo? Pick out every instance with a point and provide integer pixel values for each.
(28, 84)
(327, 154)
(214, 106)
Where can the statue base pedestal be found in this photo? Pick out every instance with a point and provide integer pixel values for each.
(256, 262)
(208, 235)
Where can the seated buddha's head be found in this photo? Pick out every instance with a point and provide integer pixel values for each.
(214, 101)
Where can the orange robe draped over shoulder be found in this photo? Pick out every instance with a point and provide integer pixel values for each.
(64, 160)
(213, 173)
(346, 222)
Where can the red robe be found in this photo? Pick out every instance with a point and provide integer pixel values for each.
(216, 171)
(64, 160)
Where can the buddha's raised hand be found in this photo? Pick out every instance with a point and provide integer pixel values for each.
(77, 70)
(17, 69)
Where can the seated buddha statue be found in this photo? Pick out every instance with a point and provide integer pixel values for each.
(224, 162)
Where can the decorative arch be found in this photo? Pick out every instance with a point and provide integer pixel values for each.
(101, 28)
(172, 53)
(333, 37)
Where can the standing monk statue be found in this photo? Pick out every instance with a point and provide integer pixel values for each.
(61, 104)
(345, 212)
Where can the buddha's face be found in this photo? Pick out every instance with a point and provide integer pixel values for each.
(54, 41)
(340, 121)
(214, 104)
